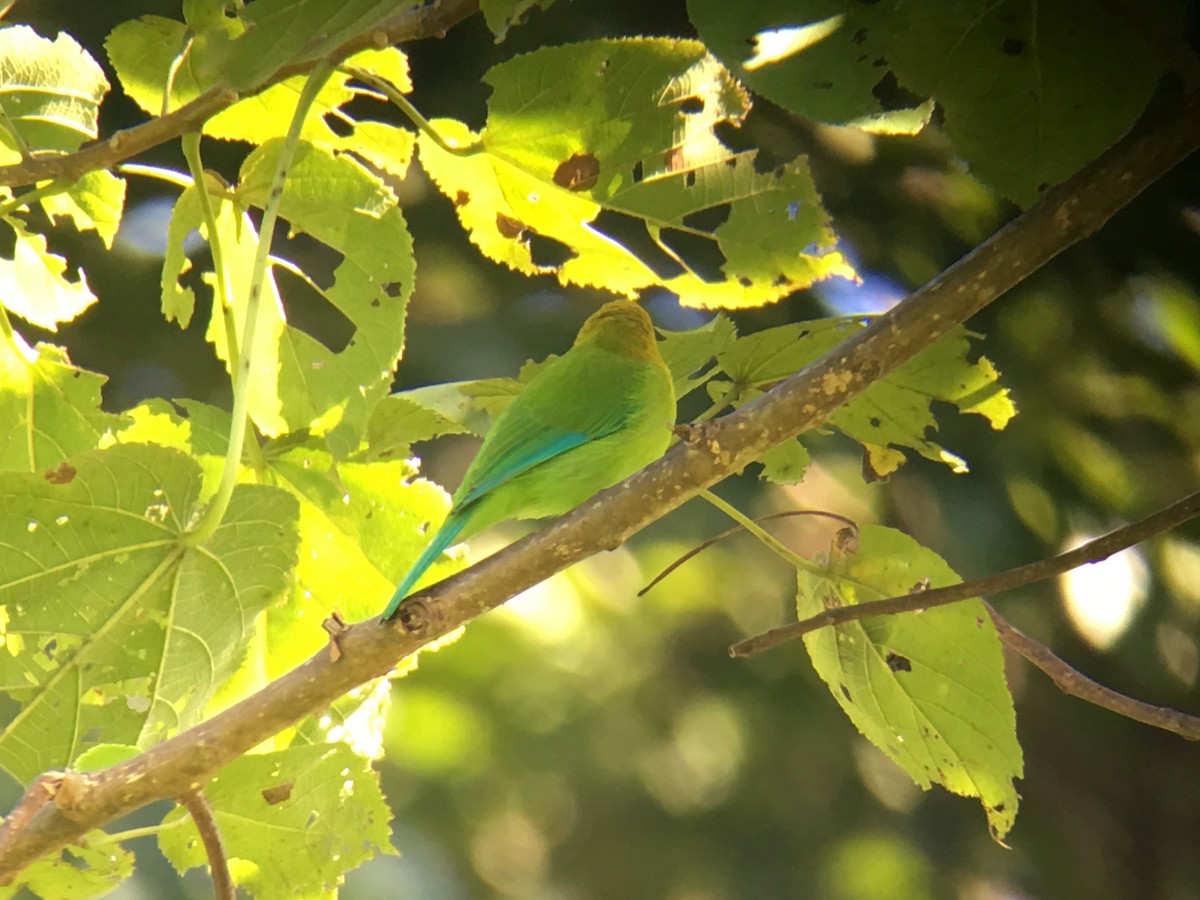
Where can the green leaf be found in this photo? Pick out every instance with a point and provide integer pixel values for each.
(289, 32)
(334, 201)
(501, 15)
(819, 57)
(398, 421)
(894, 411)
(300, 817)
(785, 463)
(33, 283)
(609, 148)
(1030, 91)
(926, 688)
(50, 92)
(49, 409)
(143, 50)
(93, 203)
(90, 867)
(114, 631)
(687, 352)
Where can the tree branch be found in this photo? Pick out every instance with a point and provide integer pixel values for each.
(1073, 682)
(1065, 215)
(419, 23)
(1093, 551)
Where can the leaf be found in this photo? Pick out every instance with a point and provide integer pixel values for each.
(608, 149)
(785, 463)
(93, 203)
(687, 352)
(820, 59)
(288, 32)
(926, 688)
(894, 411)
(33, 286)
(114, 631)
(49, 409)
(501, 15)
(397, 422)
(50, 92)
(1030, 91)
(143, 50)
(301, 818)
(334, 201)
(91, 867)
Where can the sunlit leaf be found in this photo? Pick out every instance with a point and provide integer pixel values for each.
(50, 92)
(34, 283)
(302, 817)
(49, 409)
(926, 688)
(608, 149)
(114, 631)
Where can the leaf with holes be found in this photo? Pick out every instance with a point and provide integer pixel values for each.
(605, 155)
(49, 409)
(927, 688)
(301, 816)
(894, 411)
(113, 630)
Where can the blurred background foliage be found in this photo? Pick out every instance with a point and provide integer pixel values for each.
(584, 743)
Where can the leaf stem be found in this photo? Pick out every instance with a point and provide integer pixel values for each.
(768, 539)
(49, 188)
(414, 115)
(201, 812)
(241, 377)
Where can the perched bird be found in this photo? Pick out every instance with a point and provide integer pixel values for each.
(588, 419)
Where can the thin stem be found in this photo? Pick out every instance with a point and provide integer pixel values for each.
(201, 813)
(224, 295)
(1075, 684)
(1093, 551)
(241, 396)
(168, 175)
(414, 115)
(173, 70)
(737, 529)
(10, 127)
(751, 526)
(57, 186)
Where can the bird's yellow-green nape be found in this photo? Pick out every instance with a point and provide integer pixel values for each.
(593, 416)
(622, 327)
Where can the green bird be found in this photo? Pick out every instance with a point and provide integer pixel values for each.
(588, 419)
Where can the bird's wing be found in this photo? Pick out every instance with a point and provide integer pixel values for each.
(554, 416)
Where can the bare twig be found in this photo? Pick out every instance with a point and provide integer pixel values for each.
(1093, 551)
(198, 808)
(1065, 215)
(1073, 682)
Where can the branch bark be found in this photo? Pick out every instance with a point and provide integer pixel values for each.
(1065, 215)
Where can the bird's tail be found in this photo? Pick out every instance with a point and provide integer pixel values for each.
(441, 540)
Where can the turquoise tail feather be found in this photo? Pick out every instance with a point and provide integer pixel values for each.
(441, 540)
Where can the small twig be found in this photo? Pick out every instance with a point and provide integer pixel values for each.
(736, 529)
(1074, 683)
(1093, 551)
(197, 806)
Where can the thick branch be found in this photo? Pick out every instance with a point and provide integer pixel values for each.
(1093, 551)
(415, 24)
(1065, 215)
